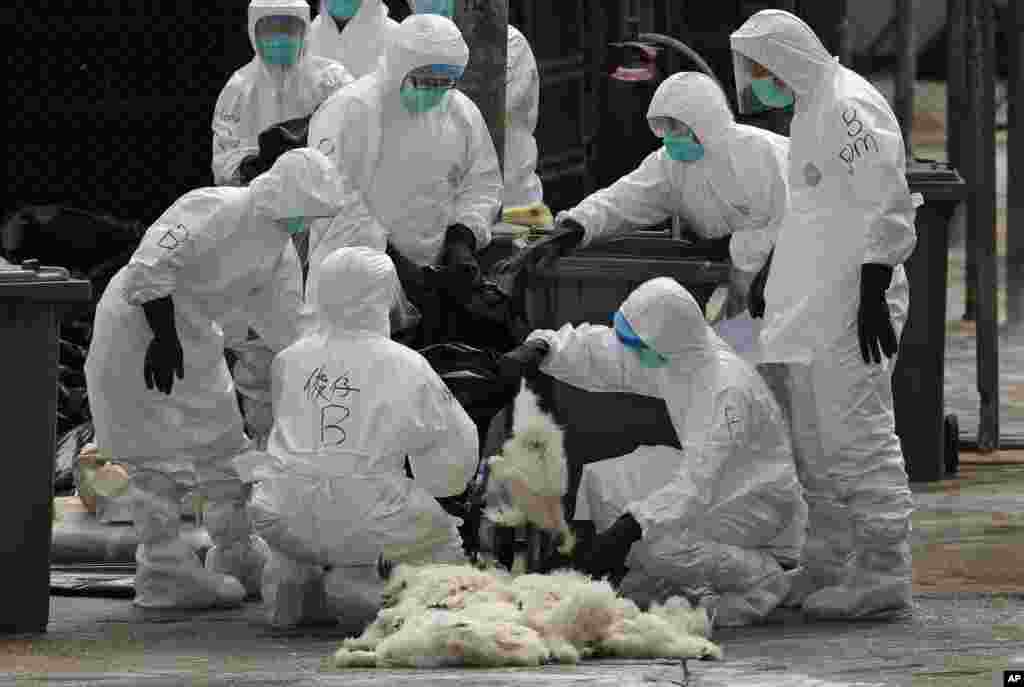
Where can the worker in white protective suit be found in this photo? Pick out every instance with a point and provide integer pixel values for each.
(721, 177)
(829, 323)
(523, 198)
(161, 396)
(350, 405)
(354, 33)
(285, 80)
(725, 513)
(418, 153)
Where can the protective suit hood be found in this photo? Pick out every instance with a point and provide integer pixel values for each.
(302, 183)
(787, 46)
(696, 100)
(359, 284)
(664, 314)
(420, 40)
(267, 8)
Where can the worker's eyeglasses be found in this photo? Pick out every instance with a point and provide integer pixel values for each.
(443, 76)
(669, 126)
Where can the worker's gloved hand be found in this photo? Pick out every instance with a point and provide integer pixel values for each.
(607, 553)
(252, 166)
(874, 326)
(459, 258)
(523, 360)
(278, 139)
(755, 297)
(566, 237)
(164, 358)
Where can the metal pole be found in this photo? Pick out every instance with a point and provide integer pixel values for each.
(484, 24)
(1015, 164)
(981, 215)
(906, 73)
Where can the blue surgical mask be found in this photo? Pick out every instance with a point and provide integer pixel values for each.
(647, 356)
(769, 94)
(280, 50)
(683, 148)
(418, 100)
(295, 225)
(446, 8)
(344, 9)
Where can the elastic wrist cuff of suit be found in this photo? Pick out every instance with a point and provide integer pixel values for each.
(460, 233)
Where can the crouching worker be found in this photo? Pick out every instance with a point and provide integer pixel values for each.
(161, 395)
(333, 498)
(718, 520)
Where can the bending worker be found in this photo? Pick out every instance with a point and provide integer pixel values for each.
(285, 80)
(418, 154)
(723, 178)
(161, 396)
(354, 33)
(829, 323)
(725, 513)
(350, 406)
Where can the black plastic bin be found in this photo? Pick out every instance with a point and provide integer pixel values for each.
(31, 302)
(918, 382)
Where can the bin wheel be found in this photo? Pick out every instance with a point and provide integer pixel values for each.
(951, 428)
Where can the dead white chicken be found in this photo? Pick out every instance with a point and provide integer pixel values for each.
(452, 615)
(532, 471)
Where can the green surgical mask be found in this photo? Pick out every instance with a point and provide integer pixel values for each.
(418, 100)
(295, 225)
(446, 8)
(769, 94)
(280, 50)
(683, 148)
(344, 9)
(650, 358)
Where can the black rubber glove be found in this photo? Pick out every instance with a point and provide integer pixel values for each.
(459, 257)
(252, 166)
(281, 137)
(874, 326)
(563, 240)
(607, 553)
(523, 360)
(164, 356)
(755, 297)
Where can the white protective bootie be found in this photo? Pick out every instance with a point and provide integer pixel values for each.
(244, 560)
(169, 574)
(878, 586)
(738, 609)
(236, 551)
(293, 593)
(355, 594)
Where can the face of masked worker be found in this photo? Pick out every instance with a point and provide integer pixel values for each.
(764, 90)
(279, 40)
(680, 142)
(343, 9)
(446, 8)
(425, 88)
(647, 356)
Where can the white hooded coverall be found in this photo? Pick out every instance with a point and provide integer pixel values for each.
(850, 205)
(213, 250)
(254, 99)
(722, 512)
(361, 44)
(523, 187)
(737, 188)
(416, 174)
(350, 405)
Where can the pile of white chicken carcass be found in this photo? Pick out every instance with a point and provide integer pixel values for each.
(460, 615)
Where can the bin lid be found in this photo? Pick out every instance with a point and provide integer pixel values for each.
(936, 180)
(31, 281)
